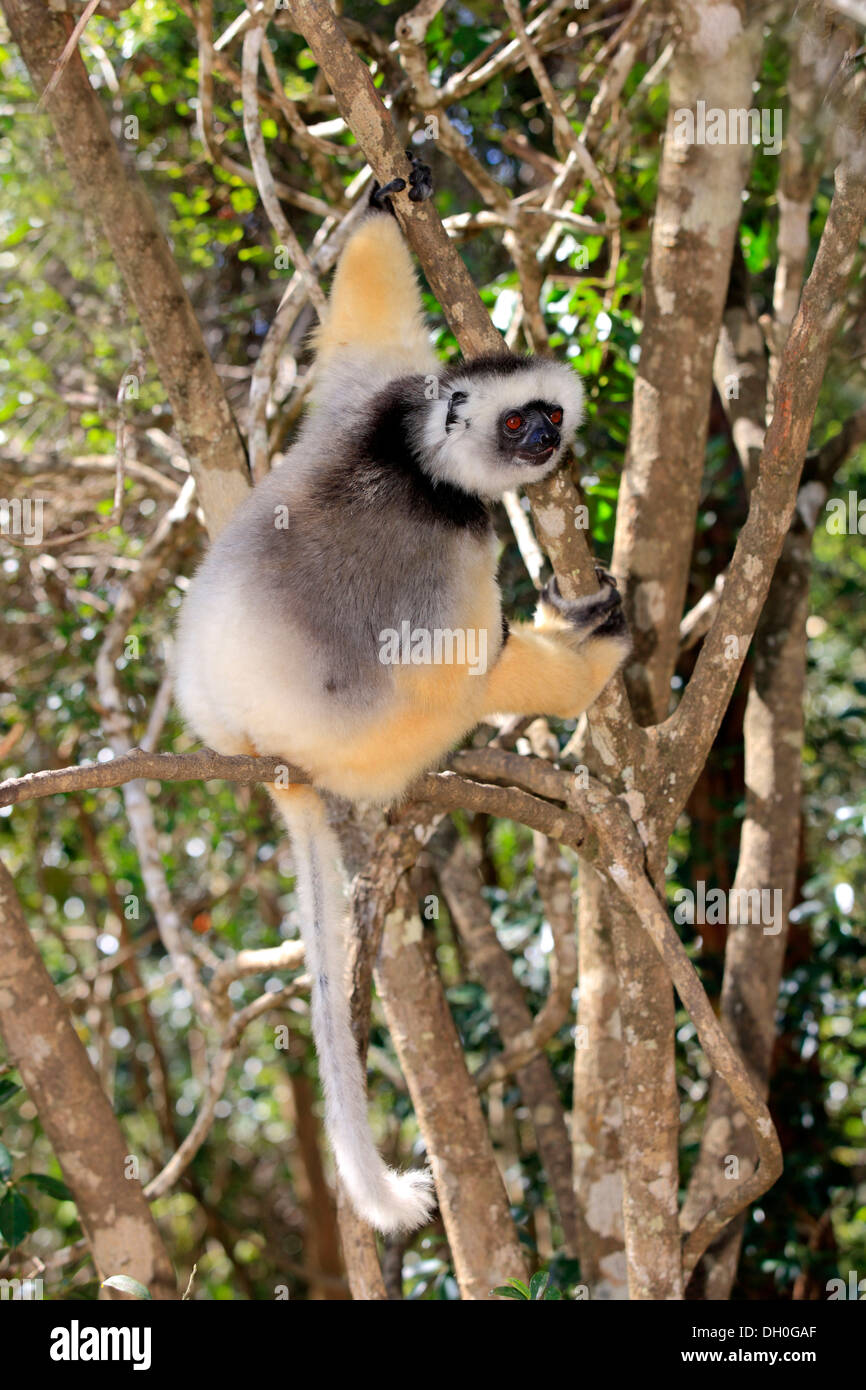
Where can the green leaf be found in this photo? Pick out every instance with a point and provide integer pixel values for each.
(242, 199)
(8, 1089)
(552, 1294)
(126, 1285)
(503, 1291)
(52, 1187)
(537, 1284)
(16, 1217)
(5, 1164)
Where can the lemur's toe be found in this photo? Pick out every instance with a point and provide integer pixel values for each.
(614, 625)
(420, 179)
(596, 613)
(380, 194)
(551, 596)
(604, 576)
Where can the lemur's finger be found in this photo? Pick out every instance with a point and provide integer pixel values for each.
(614, 625)
(420, 179)
(605, 577)
(551, 594)
(585, 615)
(379, 197)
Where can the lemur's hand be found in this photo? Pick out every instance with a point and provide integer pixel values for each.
(596, 615)
(420, 179)
(420, 185)
(380, 199)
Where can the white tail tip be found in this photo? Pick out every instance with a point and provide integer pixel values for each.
(404, 1201)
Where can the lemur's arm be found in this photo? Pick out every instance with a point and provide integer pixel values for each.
(375, 303)
(560, 665)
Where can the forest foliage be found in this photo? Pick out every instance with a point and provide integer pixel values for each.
(69, 336)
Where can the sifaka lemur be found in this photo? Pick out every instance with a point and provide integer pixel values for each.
(376, 523)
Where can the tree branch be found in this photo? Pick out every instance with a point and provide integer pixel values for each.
(693, 726)
(113, 191)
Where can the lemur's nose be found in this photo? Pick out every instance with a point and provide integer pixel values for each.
(545, 437)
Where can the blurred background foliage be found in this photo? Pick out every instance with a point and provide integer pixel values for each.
(242, 1211)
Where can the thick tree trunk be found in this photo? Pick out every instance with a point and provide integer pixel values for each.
(597, 1116)
(472, 1197)
(74, 1111)
(769, 848)
(492, 965)
(111, 188)
(694, 229)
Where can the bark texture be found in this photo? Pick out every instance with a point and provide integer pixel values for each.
(74, 1110)
(472, 1197)
(112, 189)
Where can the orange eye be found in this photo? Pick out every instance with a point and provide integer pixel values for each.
(514, 422)
(556, 416)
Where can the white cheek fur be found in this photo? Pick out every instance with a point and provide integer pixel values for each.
(464, 455)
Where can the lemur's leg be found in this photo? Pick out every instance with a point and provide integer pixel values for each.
(562, 664)
(375, 302)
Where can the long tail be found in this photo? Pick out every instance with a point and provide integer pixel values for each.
(388, 1200)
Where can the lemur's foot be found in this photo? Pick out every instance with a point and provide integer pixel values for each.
(420, 185)
(604, 576)
(380, 198)
(596, 615)
(420, 179)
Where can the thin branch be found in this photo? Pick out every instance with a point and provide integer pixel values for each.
(553, 877)
(202, 766)
(699, 619)
(528, 546)
(253, 40)
(116, 723)
(219, 1070)
(695, 722)
(67, 53)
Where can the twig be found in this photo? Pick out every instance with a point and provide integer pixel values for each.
(67, 53)
(553, 877)
(116, 722)
(184, 1155)
(164, 767)
(528, 546)
(258, 157)
(695, 722)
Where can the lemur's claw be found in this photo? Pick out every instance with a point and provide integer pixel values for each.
(599, 614)
(604, 576)
(420, 179)
(550, 593)
(380, 194)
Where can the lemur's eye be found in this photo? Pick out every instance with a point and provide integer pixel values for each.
(556, 416)
(514, 422)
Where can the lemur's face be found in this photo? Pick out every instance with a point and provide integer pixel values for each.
(502, 422)
(530, 434)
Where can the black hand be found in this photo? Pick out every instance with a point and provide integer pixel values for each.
(596, 613)
(420, 179)
(379, 197)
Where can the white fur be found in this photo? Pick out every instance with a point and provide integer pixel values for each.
(389, 1200)
(466, 456)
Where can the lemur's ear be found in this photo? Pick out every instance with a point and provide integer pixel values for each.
(457, 398)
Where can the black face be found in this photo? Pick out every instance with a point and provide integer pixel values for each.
(531, 433)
